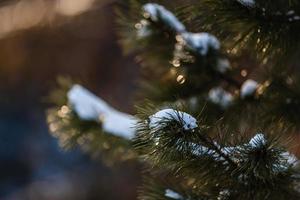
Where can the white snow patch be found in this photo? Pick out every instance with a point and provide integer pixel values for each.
(223, 65)
(257, 140)
(90, 107)
(224, 194)
(201, 42)
(290, 158)
(248, 3)
(221, 97)
(187, 120)
(157, 12)
(171, 194)
(297, 17)
(290, 12)
(248, 88)
(202, 151)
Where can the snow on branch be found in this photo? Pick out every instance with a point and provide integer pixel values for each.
(173, 195)
(247, 3)
(157, 12)
(287, 159)
(188, 122)
(92, 108)
(213, 149)
(201, 42)
(221, 97)
(223, 65)
(248, 88)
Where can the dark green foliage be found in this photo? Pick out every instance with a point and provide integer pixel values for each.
(257, 170)
(156, 54)
(238, 150)
(269, 29)
(277, 94)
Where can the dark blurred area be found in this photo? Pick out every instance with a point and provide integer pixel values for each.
(40, 40)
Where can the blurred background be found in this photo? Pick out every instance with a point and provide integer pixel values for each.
(39, 41)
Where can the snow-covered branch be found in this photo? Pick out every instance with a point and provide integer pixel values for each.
(187, 121)
(247, 3)
(259, 140)
(157, 12)
(173, 195)
(210, 148)
(92, 108)
(198, 42)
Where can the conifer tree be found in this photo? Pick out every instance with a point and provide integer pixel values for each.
(222, 89)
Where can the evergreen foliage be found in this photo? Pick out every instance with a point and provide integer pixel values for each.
(212, 127)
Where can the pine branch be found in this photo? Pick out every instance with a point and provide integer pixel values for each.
(173, 140)
(167, 143)
(269, 23)
(216, 148)
(206, 162)
(75, 121)
(196, 59)
(91, 108)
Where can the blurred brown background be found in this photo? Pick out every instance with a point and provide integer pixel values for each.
(40, 40)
